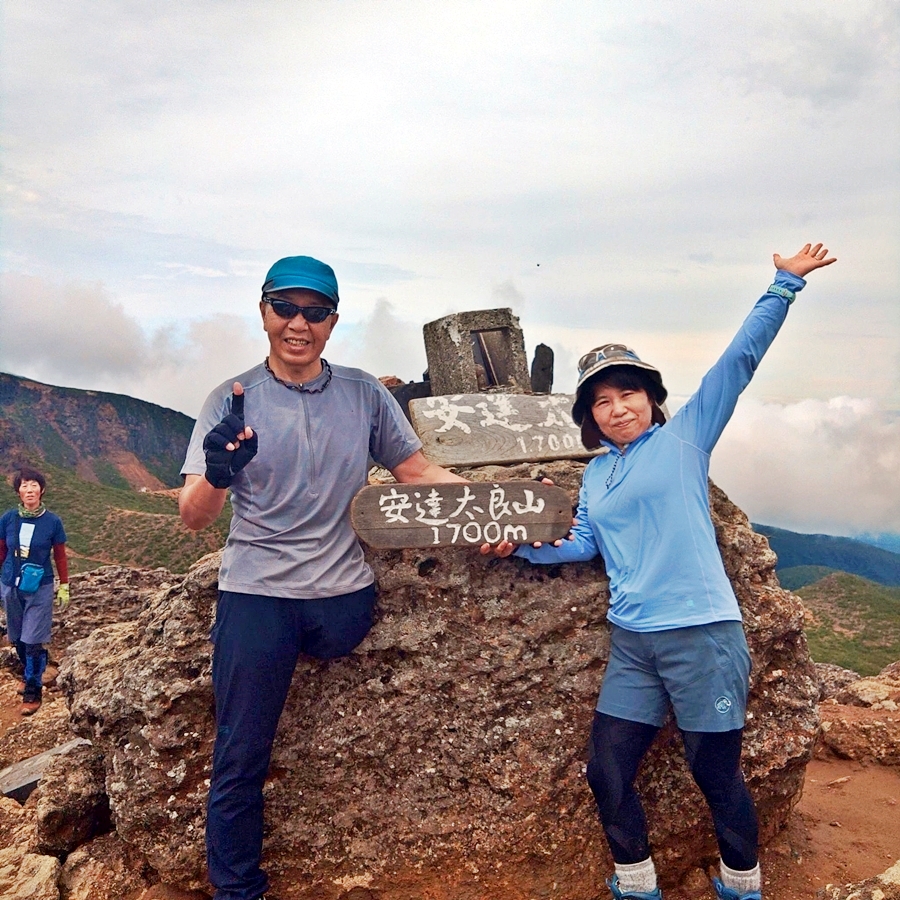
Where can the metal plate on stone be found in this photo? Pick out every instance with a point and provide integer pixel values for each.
(486, 429)
(21, 778)
(456, 514)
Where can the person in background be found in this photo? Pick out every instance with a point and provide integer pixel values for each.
(293, 577)
(29, 535)
(676, 638)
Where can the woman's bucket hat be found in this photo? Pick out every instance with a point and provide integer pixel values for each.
(600, 358)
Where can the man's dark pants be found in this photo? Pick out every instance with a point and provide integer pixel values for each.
(257, 643)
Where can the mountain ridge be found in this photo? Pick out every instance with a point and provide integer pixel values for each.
(852, 622)
(106, 438)
(855, 557)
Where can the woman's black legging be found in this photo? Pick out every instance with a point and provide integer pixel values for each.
(617, 748)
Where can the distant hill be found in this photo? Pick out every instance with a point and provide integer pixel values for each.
(836, 553)
(106, 438)
(796, 577)
(852, 622)
(112, 466)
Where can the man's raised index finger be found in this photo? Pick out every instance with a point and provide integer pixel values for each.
(237, 401)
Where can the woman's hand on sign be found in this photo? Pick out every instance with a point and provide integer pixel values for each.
(506, 548)
(503, 549)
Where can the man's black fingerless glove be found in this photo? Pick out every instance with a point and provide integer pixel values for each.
(223, 464)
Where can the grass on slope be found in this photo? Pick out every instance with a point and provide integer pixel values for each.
(797, 577)
(856, 622)
(106, 524)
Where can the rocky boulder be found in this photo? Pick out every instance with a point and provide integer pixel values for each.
(72, 806)
(881, 691)
(106, 868)
(444, 758)
(833, 679)
(862, 720)
(883, 887)
(30, 877)
(105, 596)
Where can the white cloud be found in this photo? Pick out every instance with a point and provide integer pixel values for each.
(209, 352)
(830, 60)
(815, 466)
(75, 335)
(382, 343)
(200, 271)
(75, 331)
(507, 295)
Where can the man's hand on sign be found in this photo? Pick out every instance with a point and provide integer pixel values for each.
(230, 445)
(503, 549)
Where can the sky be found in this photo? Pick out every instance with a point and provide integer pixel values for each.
(610, 171)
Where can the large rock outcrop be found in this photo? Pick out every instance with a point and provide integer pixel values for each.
(445, 757)
(885, 886)
(861, 719)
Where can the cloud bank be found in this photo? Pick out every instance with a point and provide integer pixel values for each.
(829, 467)
(75, 335)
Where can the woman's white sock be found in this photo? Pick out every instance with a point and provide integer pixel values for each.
(742, 882)
(637, 876)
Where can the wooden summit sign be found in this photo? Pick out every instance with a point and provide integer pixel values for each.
(484, 429)
(460, 514)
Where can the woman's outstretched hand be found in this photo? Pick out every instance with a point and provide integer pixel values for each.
(804, 262)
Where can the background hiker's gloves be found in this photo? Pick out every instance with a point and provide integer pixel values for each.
(62, 596)
(223, 464)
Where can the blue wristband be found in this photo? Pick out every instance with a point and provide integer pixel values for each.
(788, 295)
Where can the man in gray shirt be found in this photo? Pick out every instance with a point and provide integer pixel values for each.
(293, 577)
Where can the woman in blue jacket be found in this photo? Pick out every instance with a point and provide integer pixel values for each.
(676, 634)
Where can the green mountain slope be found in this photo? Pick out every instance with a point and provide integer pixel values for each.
(853, 622)
(107, 438)
(112, 525)
(797, 577)
(111, 463)
(844, 554)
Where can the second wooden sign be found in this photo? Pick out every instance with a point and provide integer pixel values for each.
(396, 516)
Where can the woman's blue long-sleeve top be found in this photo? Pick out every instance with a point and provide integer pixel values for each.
(646, 510)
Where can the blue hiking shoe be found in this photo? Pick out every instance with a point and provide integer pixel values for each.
(726, 893)
(618, 894)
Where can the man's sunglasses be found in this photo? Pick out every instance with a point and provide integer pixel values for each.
(315, 315)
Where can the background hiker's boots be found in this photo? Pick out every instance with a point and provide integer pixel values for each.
(31, 702)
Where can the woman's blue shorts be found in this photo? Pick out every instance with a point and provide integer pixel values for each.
(701, 672)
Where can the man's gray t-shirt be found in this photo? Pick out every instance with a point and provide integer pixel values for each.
(290, 532)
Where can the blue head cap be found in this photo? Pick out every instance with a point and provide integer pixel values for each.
(302, 272)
